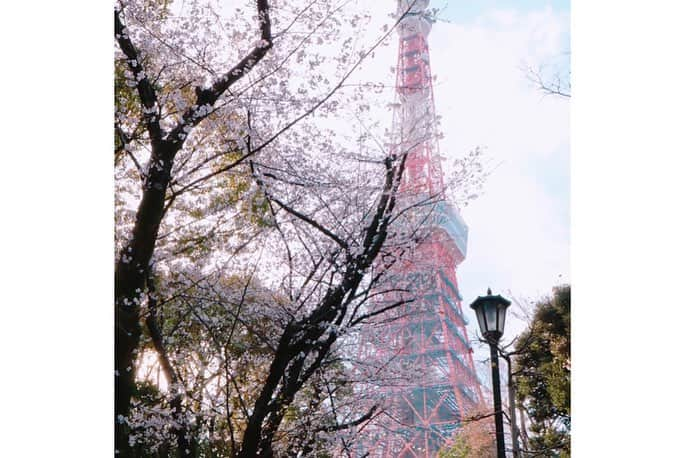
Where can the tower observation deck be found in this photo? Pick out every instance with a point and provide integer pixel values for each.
(426, 338)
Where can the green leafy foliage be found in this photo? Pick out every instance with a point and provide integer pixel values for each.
(543, 371)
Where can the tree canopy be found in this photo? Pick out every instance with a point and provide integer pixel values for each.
(475, 439)
(543, 374)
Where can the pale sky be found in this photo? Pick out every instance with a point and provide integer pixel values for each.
(519, 228)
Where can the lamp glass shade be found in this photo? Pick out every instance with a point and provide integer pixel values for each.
(490, 312)
(481, 321)
(501, 315)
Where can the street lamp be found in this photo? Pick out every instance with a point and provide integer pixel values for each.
(491, 312)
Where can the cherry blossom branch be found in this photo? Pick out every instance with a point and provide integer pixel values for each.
(146, 92)
(297, 119)
(207, 97)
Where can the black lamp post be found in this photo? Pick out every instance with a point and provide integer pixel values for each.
(491, 312)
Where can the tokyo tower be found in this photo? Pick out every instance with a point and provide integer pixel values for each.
(428, 337)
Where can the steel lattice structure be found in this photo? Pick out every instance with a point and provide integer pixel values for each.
(429, 336)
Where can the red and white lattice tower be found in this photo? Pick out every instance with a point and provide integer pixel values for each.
(427, 337)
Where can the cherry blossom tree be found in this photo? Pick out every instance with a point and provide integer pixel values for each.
(476, 439)
(257, 215)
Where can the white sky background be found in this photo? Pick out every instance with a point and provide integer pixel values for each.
(519, 226)
(519, 232)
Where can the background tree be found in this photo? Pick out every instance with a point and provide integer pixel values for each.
(542, 372)
(475, 439)
(554, 79)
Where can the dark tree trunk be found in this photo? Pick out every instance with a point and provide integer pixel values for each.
(129, 282)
